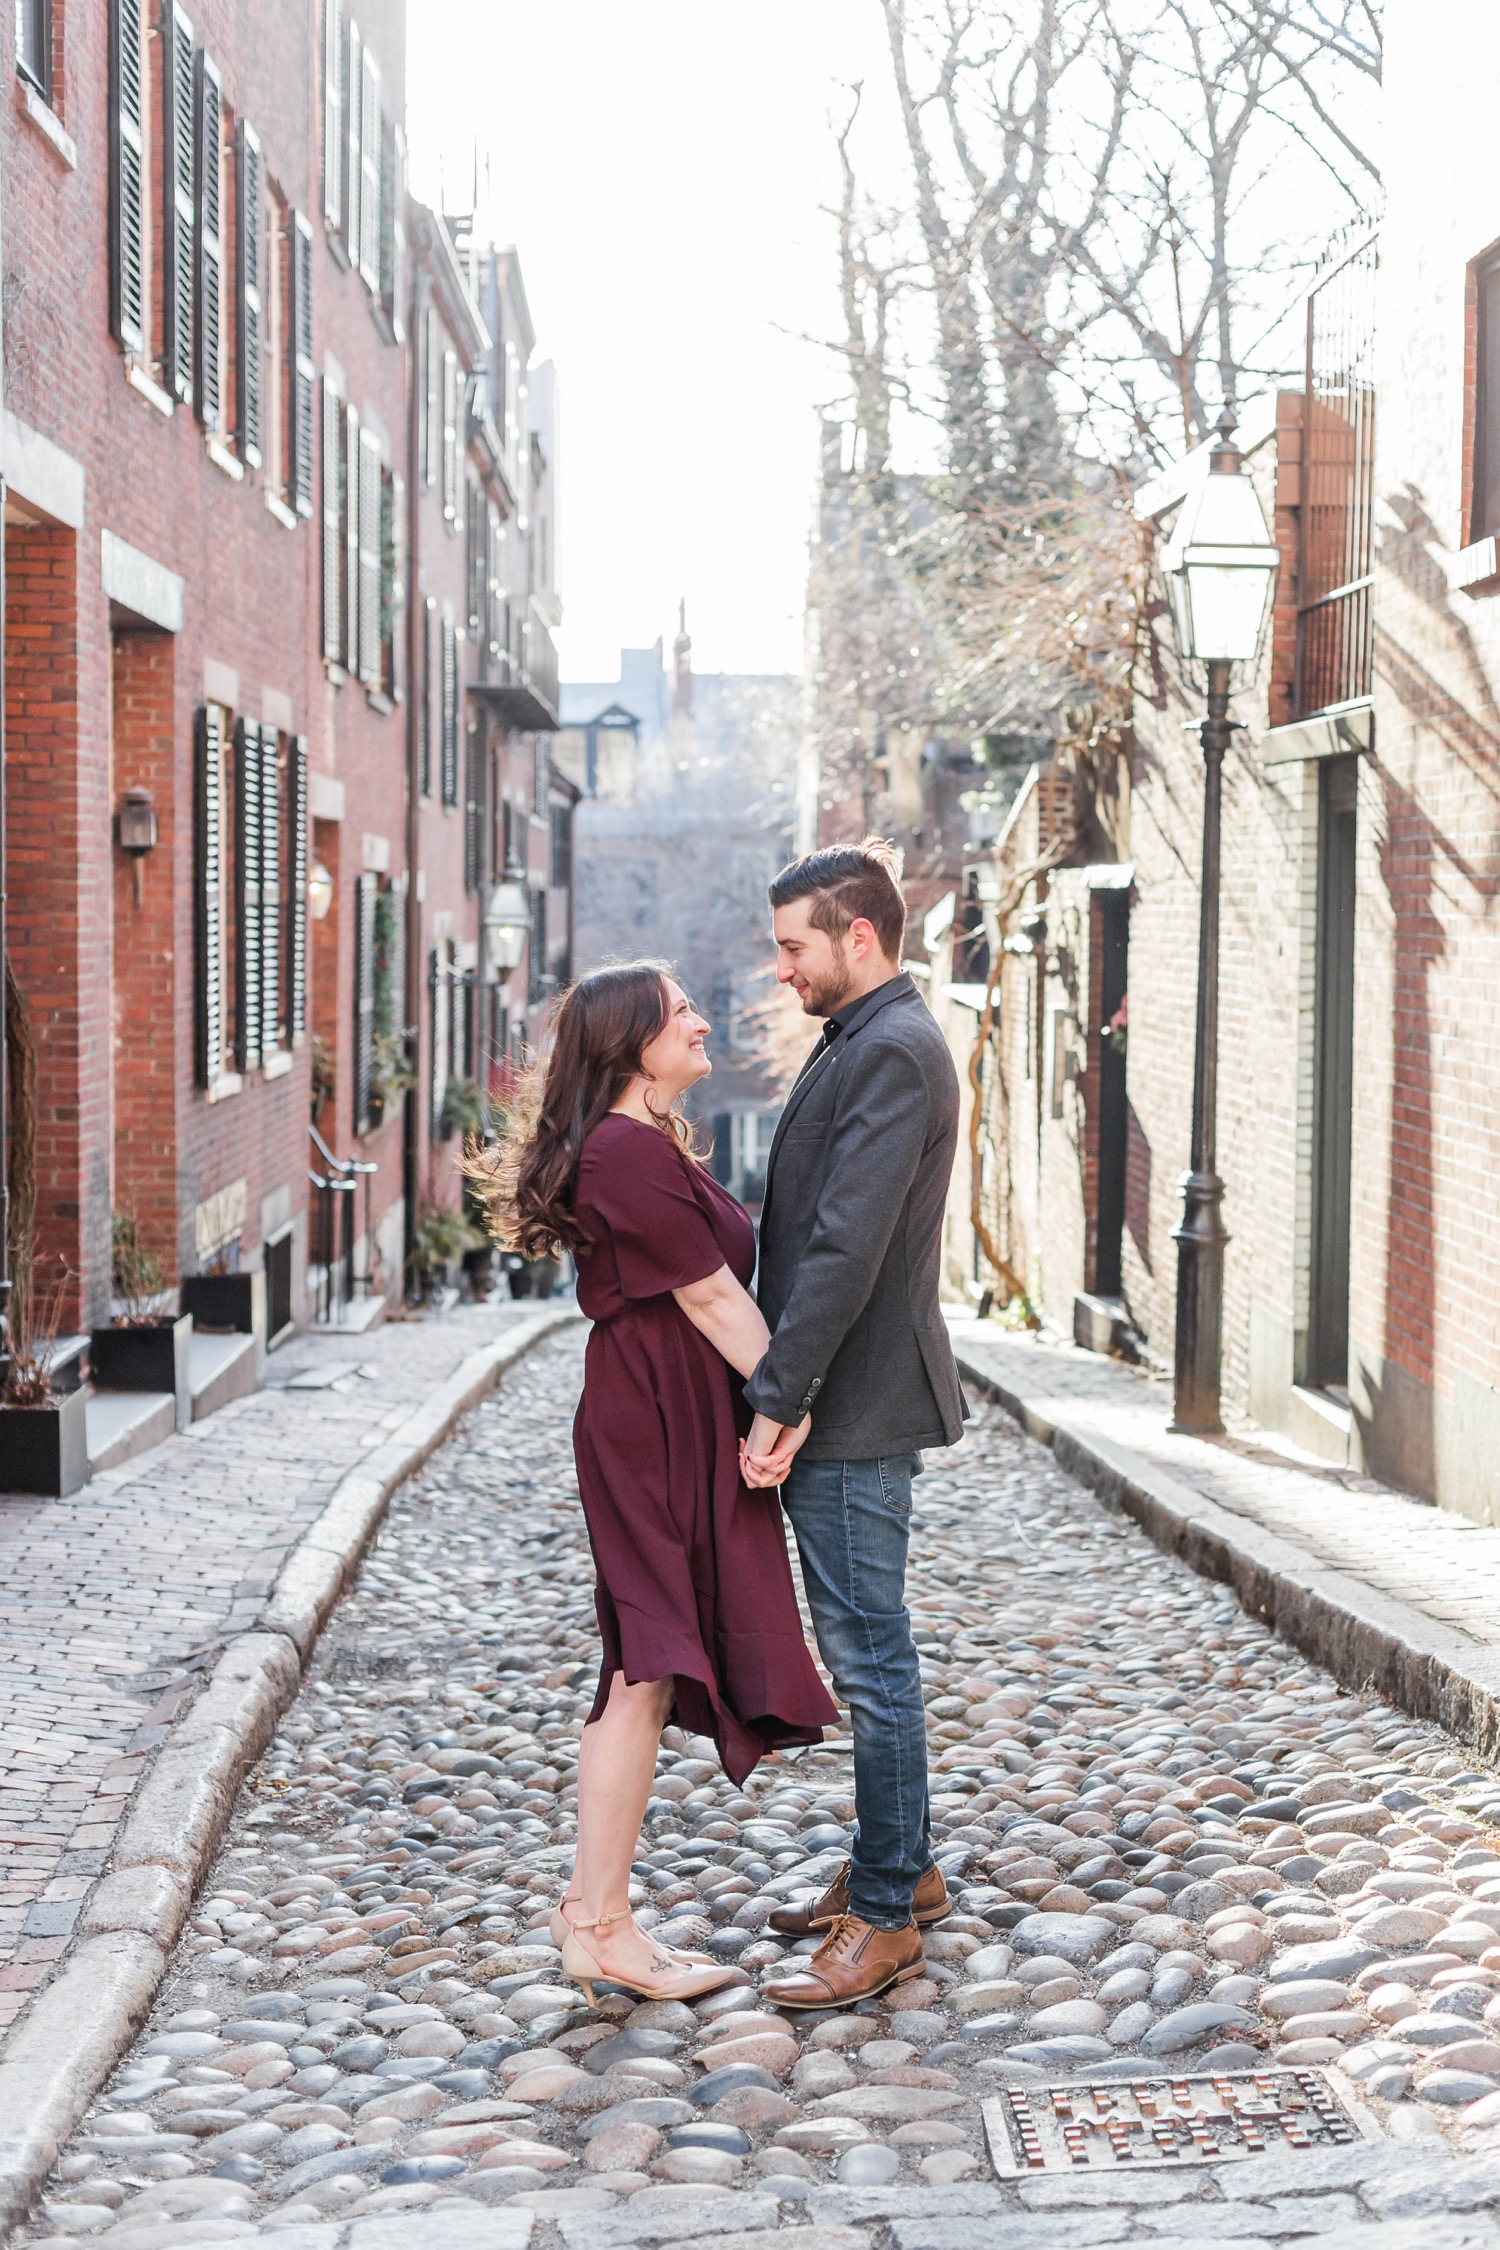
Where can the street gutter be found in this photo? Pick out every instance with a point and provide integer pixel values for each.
(65, 2046)
(1366, 1639)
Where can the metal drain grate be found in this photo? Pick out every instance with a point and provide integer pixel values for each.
(1104, 2125)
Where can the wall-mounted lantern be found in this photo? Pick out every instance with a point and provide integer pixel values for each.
(135, 833)
(319, 891)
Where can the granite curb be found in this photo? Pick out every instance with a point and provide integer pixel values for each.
(63, 2048)
(1366, 1639)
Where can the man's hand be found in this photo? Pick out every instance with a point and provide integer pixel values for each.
(767, 1453)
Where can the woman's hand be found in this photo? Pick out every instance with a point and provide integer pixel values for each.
(768, 1452)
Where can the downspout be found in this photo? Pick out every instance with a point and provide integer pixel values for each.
(4, 956)
(412, 997)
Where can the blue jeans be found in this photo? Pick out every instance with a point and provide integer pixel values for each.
(852, 1520)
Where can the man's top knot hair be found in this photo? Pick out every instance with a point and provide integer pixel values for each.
(849, 883)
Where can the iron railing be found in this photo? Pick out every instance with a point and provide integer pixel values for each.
(1335, 545)
(333, 1231)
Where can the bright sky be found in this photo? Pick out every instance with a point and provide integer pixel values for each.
(660, 165)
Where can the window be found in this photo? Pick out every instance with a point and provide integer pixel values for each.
(127, 178)
(364, 541)
(1484, 503)
(368, 254)
(562, 846)
(34, 44)
(393, 227)
(392, 580)
(477, 559)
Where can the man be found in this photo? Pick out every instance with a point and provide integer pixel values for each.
(850, 1249)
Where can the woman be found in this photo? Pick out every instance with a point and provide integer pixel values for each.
(694, 1595)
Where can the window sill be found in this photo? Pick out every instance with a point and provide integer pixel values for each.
(337, 676)
(221, 457)
(285, 516)
(228, 1082)
(379, 701)
(277, 1065)
(150, 390)
(336, 244)
(49, 125)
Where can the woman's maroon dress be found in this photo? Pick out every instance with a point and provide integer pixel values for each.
(693, 1578)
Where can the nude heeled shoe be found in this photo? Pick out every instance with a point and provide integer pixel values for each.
(579, 1964)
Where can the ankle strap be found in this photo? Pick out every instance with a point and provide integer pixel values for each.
(604, 1920)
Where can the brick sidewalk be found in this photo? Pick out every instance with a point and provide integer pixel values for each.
(112, 1601)
(1429, 1560)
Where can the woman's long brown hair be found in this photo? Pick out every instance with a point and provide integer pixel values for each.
(527, 1180)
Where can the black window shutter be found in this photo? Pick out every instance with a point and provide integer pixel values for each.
(179, 218)
(393, 227)
(472, 787)
(333, 111)
(296, 904)
(333, 524)
(248, 867)
(351, 498)
(208, 899)
(364, 999)
(450, 437)
(208, 260)
(536, 968)
(127, 177)
(270, 891)
(428, 727)
(249, 296)
(426, 375)
(303, 373)
(449, 693)
(393, 583)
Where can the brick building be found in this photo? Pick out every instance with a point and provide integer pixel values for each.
(226, 445)
(1358, 1076)
(490, 816)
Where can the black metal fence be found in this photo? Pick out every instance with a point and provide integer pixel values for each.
(1335, 553)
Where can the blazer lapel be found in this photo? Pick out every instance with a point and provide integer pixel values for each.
(818, 1060)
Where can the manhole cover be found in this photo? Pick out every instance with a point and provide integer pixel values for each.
(1099, 2125)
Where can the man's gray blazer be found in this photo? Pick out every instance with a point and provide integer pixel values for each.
(851, 1239)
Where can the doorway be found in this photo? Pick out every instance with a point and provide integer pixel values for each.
(1113, 908)
(1333, 1080)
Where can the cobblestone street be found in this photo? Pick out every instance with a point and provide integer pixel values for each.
(1174, 1845)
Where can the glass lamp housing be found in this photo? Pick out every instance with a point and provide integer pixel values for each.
(1220, 565)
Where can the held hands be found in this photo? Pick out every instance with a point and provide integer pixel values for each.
(767, 1453)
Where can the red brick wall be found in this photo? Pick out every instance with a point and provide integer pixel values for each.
(146, 957)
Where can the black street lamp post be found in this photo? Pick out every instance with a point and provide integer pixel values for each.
(1220, 566)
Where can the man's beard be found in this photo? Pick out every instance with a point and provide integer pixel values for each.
(824, 997)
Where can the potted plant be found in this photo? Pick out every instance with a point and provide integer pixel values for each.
(223, 1299)
(146, 1346)
(443, 1238)
(43, 1429)
(44, 1446)
(391, 1072)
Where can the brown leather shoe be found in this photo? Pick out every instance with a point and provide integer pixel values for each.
(929, 1903)
(854, 1962)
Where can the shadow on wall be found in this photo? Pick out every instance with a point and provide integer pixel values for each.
(1394, 1399)
(1138, 1187)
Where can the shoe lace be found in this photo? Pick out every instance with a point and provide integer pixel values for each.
(842, 1933)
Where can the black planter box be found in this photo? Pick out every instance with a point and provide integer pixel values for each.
(230, 1302)
(45, 1449)
(154, 1357)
